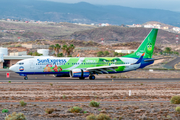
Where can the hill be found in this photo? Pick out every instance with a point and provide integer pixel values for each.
(116, 34)
(10, 31)
(83, 13)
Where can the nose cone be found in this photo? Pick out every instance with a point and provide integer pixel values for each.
(12, 68)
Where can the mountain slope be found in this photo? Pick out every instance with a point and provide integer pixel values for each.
(83, 12)
(114, 34)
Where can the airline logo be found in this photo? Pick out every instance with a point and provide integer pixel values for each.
(140, 53)
(21, 68)
(50, 61)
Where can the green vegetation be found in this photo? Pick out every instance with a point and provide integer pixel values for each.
(69, 56)
(49, 110)
(75, 109)
(102, 54)
(64, 96)
(5, 111)
(34, 54)
(119, 54)
(85, 112)
(94, 104)
(51, 84)
(168, 51)
(16, 116)
(103, 117)
(106, 53)
(178, 109)
(30, 53)
(9, 81)
(98, 117)
(57, 47)
(112, 76)
(22, 103)
(18, 45)
(91, 117)
(175, 100)
(60, 55)
(67, 50)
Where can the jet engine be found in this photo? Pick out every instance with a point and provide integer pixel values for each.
(79, 73)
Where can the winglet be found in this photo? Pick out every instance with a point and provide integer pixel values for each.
(78, 55)
(140, 59)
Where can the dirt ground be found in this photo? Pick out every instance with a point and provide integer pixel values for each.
(145, 74)
(148, 100)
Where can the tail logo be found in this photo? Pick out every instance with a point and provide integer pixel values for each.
(149, 48)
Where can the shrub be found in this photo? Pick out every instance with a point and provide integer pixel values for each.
(15, 116)
(94, 104)
(51, 84)
(64, 97)
(178, 109)
(75, 109)
(18, 45)
(22, 103)
(99, 109)
(9, 81)
(91, 117)
(175, 100)
(103, 117)
(5, 111)
(49, 110)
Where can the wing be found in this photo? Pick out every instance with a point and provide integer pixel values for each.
(104, 69)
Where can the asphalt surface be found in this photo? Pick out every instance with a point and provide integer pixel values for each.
(172, 63)
(49, 78)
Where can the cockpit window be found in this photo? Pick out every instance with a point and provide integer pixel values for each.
(20, 63)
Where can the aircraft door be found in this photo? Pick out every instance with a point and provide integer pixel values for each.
(32, 65)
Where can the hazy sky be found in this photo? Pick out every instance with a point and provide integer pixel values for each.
(173, 5)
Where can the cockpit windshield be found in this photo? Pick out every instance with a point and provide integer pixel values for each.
(20, 63)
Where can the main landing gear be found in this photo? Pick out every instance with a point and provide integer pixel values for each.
(25, 78)
(81, 78)
(92, 77)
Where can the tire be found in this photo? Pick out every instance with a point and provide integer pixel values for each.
(81, 78)
(25, 78)
(92, 77)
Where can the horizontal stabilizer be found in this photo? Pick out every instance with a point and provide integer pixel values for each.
(149, 60)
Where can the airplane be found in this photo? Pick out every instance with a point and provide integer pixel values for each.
(84, 67)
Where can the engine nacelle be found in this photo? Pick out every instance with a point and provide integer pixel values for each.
(79, 73)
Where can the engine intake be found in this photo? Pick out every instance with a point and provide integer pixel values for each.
(79, 73)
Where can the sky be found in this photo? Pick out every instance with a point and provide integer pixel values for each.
(173, 5)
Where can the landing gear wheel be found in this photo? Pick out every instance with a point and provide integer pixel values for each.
(81, 78)
(25, 78)
(92, 77)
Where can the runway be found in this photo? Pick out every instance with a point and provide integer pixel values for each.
(50, 78)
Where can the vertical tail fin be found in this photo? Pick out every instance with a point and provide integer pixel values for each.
(147, 46)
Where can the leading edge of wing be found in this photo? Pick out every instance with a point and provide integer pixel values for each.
(103, 67)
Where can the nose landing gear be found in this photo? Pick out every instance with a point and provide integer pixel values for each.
(25, 78)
